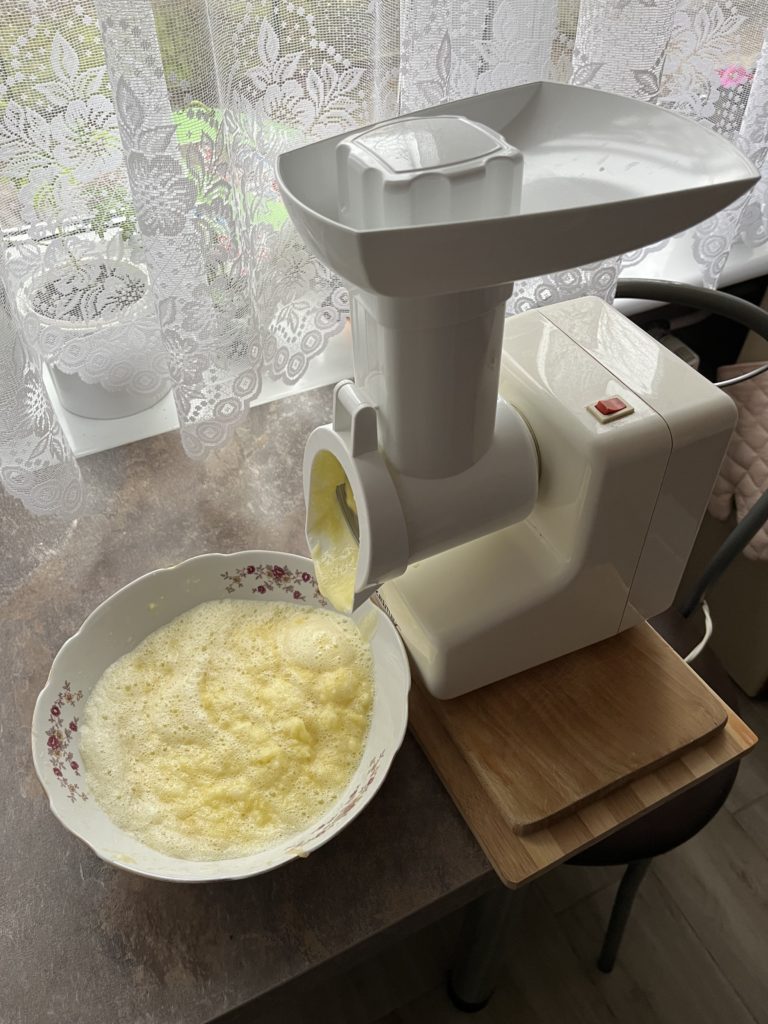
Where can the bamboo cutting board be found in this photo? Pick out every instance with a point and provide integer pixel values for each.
(544, 743)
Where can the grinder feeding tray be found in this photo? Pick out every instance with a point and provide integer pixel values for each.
(516, 489)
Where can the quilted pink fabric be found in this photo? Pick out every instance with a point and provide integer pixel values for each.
(744, 472)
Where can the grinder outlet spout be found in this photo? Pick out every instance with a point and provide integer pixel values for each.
(366, 522)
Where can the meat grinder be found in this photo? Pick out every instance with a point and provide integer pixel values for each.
(514, 488)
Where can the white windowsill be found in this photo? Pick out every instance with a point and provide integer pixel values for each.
(88, 436)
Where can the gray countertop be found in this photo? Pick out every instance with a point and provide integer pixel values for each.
(84, 941)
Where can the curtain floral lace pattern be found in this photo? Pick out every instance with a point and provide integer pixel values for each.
(145, 243)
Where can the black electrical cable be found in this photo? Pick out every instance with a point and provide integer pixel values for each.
(708, 299)
(732, 546)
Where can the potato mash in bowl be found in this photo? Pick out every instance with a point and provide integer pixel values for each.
(217, 718)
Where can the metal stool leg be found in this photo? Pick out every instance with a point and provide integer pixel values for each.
(622, 907)
(471, 982)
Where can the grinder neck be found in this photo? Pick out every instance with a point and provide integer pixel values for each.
(430, 365)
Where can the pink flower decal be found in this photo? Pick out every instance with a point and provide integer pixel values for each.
(266, 579)
(58, 742)
(733, 76)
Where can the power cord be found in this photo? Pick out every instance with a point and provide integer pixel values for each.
(705, 639)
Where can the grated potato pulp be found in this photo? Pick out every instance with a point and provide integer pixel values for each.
(230, 728)
(333, 548)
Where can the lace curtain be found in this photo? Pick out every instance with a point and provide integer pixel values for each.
(145, 246)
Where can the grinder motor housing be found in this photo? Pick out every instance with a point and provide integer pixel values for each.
(619, 504)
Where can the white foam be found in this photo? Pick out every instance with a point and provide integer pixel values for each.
(230, 728)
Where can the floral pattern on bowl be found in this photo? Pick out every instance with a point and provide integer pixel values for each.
(148, 603)
(265, 579)
(59, 741)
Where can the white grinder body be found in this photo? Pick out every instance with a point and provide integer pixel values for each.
(619, 504)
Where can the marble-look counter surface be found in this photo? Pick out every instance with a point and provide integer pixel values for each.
(83, 941)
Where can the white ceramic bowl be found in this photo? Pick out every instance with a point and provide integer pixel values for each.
(123, 621)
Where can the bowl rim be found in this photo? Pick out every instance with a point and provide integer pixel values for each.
(383, 621)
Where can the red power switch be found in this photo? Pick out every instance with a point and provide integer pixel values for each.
(610, 406)
(609, 409)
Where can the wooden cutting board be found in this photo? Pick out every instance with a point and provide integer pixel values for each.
(544, 743)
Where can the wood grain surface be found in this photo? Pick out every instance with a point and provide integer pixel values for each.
(505, 762)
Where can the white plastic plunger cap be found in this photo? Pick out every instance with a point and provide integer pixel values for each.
(427, 170)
